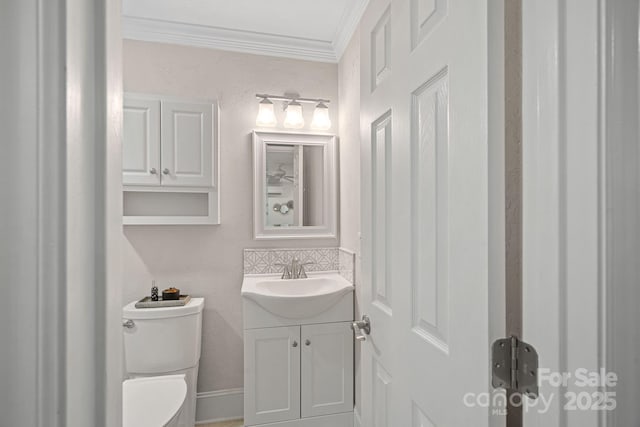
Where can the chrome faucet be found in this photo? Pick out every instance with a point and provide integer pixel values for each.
(295, 270)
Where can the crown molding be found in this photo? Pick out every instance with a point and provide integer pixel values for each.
(155, 30)
(348, 25)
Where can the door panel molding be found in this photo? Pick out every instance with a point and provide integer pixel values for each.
(430, 210)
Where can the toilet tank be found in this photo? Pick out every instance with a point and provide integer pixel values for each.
(162, 340)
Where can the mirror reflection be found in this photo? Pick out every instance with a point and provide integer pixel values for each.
(294, 185)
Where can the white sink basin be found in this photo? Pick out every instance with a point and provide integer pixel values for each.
(296, 298)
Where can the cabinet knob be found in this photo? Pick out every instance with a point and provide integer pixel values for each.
(153, 171)
(165, 171)
(307, 342)
(295, 343)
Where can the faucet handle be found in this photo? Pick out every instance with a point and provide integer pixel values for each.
(286, 270)
(301, 272)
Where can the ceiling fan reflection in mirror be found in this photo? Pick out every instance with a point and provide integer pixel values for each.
(276, 177)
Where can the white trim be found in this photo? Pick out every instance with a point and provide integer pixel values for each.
(162, 31)
(496, 177)
(51, 274)
(220, 405)
(155, 30)
(541, 224)
(356, 418)
(348, 26)
(61, 231)
(109, 13)
(562, 206)
(620, 208)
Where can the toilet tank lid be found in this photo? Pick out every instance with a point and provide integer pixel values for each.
(192, 307)
(152, 401)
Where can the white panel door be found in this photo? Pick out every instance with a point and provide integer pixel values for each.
(141, 141)
(327, 369)
(271, 375)
(425, 225)
(188, 143)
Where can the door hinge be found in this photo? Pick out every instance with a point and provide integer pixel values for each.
(515, 366)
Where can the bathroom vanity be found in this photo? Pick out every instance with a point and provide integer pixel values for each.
(298, 351)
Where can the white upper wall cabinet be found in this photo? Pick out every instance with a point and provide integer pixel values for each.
(141, 141)
(169, 142)
(170, 161)
(187, 142)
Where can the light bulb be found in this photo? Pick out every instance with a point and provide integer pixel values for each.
(266, 114)
(294, 119)
(321, 119)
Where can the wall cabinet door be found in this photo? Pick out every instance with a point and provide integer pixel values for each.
(187, 133)
(327, 369)
(271, 375)
(141, 141)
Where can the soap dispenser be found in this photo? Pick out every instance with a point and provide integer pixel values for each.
(154, 291)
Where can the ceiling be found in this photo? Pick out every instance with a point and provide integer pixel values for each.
(317, 30)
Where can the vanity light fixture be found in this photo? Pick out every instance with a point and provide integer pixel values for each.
(266, 113)
(321, 120)
(294, 118)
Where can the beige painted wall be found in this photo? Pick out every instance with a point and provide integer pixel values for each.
(207, 260)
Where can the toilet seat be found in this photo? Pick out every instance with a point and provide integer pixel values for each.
(152, 401)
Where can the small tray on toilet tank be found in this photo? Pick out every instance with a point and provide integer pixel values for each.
(146, 302)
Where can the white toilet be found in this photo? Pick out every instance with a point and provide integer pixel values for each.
(162, 352)
(153, 401)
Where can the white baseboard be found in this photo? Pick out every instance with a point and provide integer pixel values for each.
(356, 418)
(221, 405)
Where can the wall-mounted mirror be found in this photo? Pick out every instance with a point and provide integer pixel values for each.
(295, 185)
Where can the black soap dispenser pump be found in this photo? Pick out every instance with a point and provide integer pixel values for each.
(154, 291)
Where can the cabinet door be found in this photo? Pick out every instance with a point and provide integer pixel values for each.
(141, 141)
(271, 375)
(327, 369)
(188, 143)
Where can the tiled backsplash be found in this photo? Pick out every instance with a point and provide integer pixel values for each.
(263, 261)
(346, 264)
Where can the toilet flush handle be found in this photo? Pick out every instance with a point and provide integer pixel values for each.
(129, 324)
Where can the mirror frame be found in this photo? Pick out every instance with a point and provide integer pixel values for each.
(329, 230)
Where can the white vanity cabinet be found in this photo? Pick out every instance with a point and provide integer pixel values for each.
(169, 160)
(297, 373)
(327, 369)
(272, 375)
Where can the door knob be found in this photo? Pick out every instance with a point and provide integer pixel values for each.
(295, 344)
(307, 343)
(361, 328)
(165, 171)
(153, 171)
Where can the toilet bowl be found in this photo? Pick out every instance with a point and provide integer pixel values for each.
(153, 401)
